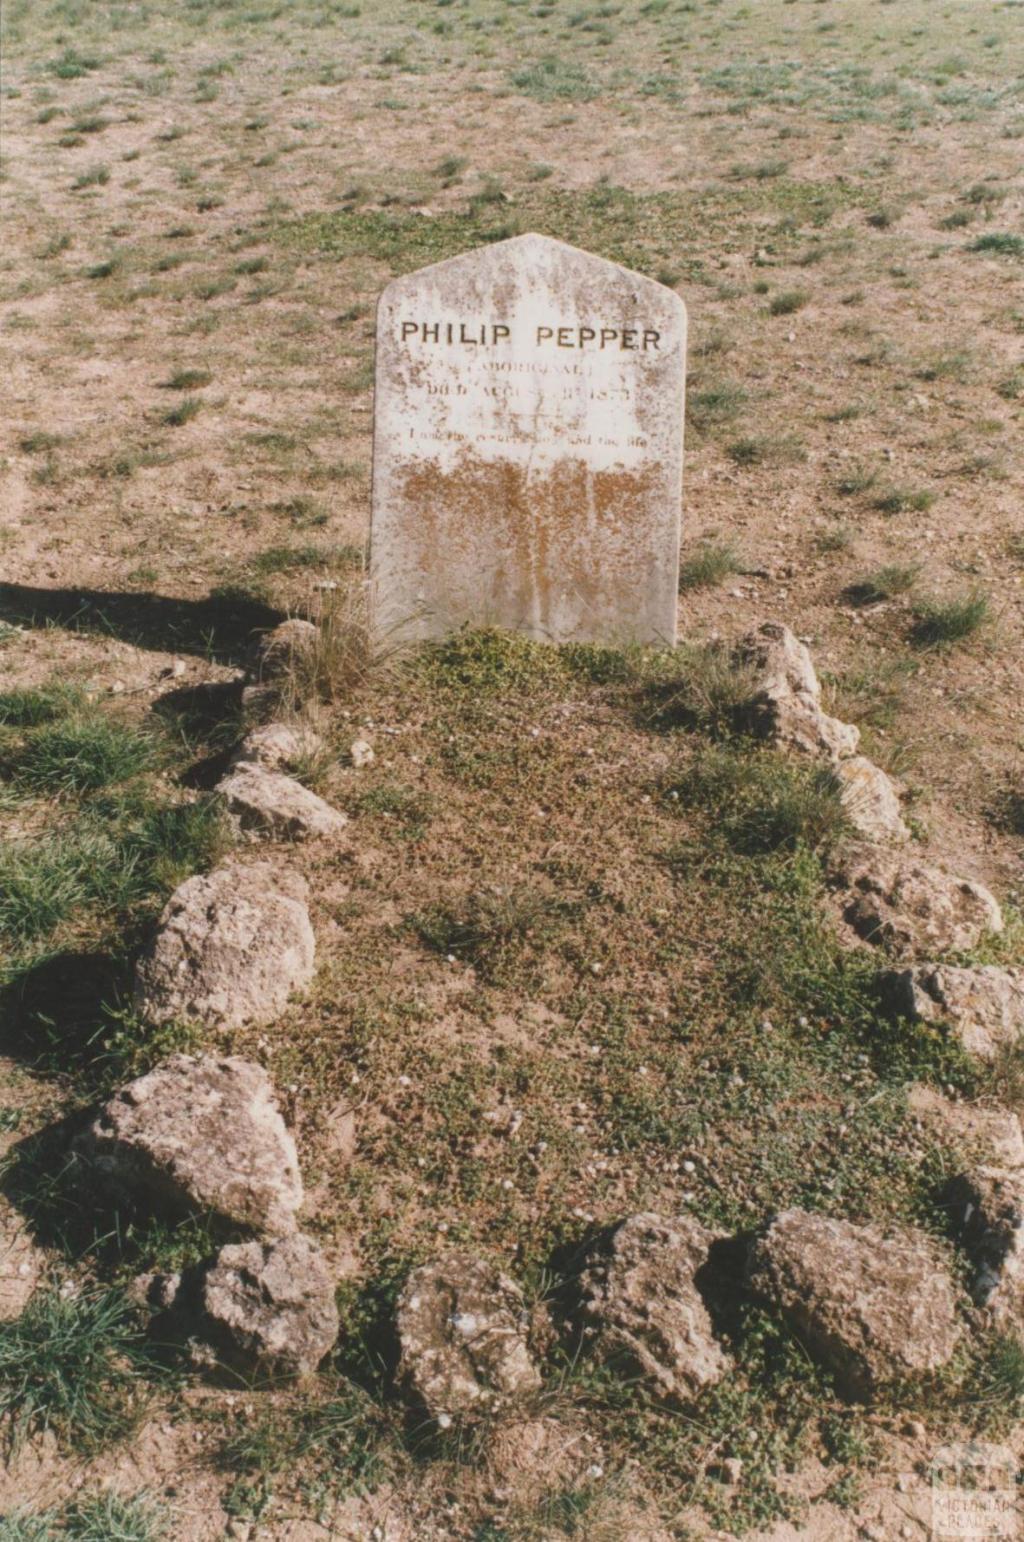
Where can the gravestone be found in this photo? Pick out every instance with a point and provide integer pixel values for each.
(527, 461)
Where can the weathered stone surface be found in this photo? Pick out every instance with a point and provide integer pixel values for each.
(271, 803)
(155, 1292)
(987, 1206)
(278, 747)
(893, 899)
(203, 1134)
(994, 1133)
(874, 1308)
(292, 645)
(985, 1197)
(984, 1005)
(786, 706)
(230, 948)
(528, 447)
(462, 1327)
(269, 1307)
(641, 1295)
(870, 800)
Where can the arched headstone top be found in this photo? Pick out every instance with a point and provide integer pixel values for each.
(528, 446)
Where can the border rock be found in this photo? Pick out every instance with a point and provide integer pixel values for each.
(876, 1308)
(278, 747)
(198, 1135)
(641, 1297)
(870, 800)
(271, 803)
(269, 1308)
(893, 899)
(984, 1006)
(231, 947)
(462, 1326)
(786, 706)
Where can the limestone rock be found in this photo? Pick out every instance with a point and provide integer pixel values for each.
(984, 1005)
(199, 1134)
(994, 1134)
(230, 948)
(870, 800)
(896, 900)
(987, 1206)
(269, 1307)
(291, 645)
(155, 1292)
(277, 805)
(640, 1293)
(875, 1308)
(786, 706)
(462, 1327)
(278, 747)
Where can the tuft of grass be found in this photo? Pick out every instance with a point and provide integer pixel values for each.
(834, 539)
(946, 364)
(74, 1363)
(944, 623)
(94, 176)
(29, 706)
(338, 1430)
(80, 754)
(492, 928)
(39, 442)
(555, 80)
(72, 65)
(904, 500)
(187, 380)
(761, 803)
(763, 450)
(716, 402)
(883, 584)
(702, 689)
(105, 1517)
(857, 479)
(1001, 242)
(787, 302)
(117, 855)
(184, 411)
(711, 564)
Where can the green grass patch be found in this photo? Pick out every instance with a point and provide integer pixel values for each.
(760, 803)
(75, 1365)
(555, 80)
(104, 1517)
(944, 623)
(28, 706)
(711, 564)
(999, 242)
(78, 754)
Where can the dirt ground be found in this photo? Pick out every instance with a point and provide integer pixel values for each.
(213, 193)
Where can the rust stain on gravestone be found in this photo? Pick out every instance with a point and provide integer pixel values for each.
(528, 447)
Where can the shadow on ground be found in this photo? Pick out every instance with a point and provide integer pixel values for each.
(220, 627)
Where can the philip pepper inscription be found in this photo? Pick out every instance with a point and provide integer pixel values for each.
(528, 445)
